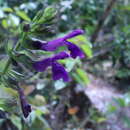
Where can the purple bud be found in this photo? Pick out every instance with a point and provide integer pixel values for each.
(37, 44)
(26, 108)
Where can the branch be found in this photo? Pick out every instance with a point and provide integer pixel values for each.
(102, 20)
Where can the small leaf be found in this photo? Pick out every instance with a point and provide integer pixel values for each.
(23, 15)
(101, 119)
(87, 50)
(15, 74)
(16, 121)
(77, 78)
(83, 75)
(48, 16)
(38, 16)
(111, 108)
(4, 23)
(121, 102)
(70, 63)
(9, 10)
(2, 64)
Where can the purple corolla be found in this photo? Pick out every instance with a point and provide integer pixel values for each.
(58, 71)
(75, 51)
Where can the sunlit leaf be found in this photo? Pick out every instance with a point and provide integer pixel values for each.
(4, 23)
(101, 119)
(83, 75)
(84, 44)
(23, 15)
(9, 10)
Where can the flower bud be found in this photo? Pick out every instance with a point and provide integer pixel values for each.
(38, 16)
(49, 14)
(26, 108)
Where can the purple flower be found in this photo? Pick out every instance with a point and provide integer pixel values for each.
(74, 50)
(26, 108)
(54, 44)
(74, 34)
(58, 70)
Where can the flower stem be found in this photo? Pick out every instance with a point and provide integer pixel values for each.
(15, 48)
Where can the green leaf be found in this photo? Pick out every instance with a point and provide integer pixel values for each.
(23, 15)
(9, 10)
(5, 104)
(48, 16)
(70, 63)
(111, 108)
(83, 75)
(38, 16)
(101, 119)
(77, 78)
(4, 23)
(84, 44)
(16, 121)
(87, 50)
(23, 57)
(2, 64)
(120, 102)
(15, 73)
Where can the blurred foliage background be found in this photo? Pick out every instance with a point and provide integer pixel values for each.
(57, 105)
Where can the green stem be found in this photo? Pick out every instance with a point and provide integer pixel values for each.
(15, 48)
(20, 41)
(6, 66)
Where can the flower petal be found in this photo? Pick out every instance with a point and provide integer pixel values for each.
(75, 51)
(26, 108)
(61, 55)
(53, 45)
(58, 72)
(74, 34)
(42, 65)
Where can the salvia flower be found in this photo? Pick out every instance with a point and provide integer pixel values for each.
(26, 108)
(58, 71)
(75, 51)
